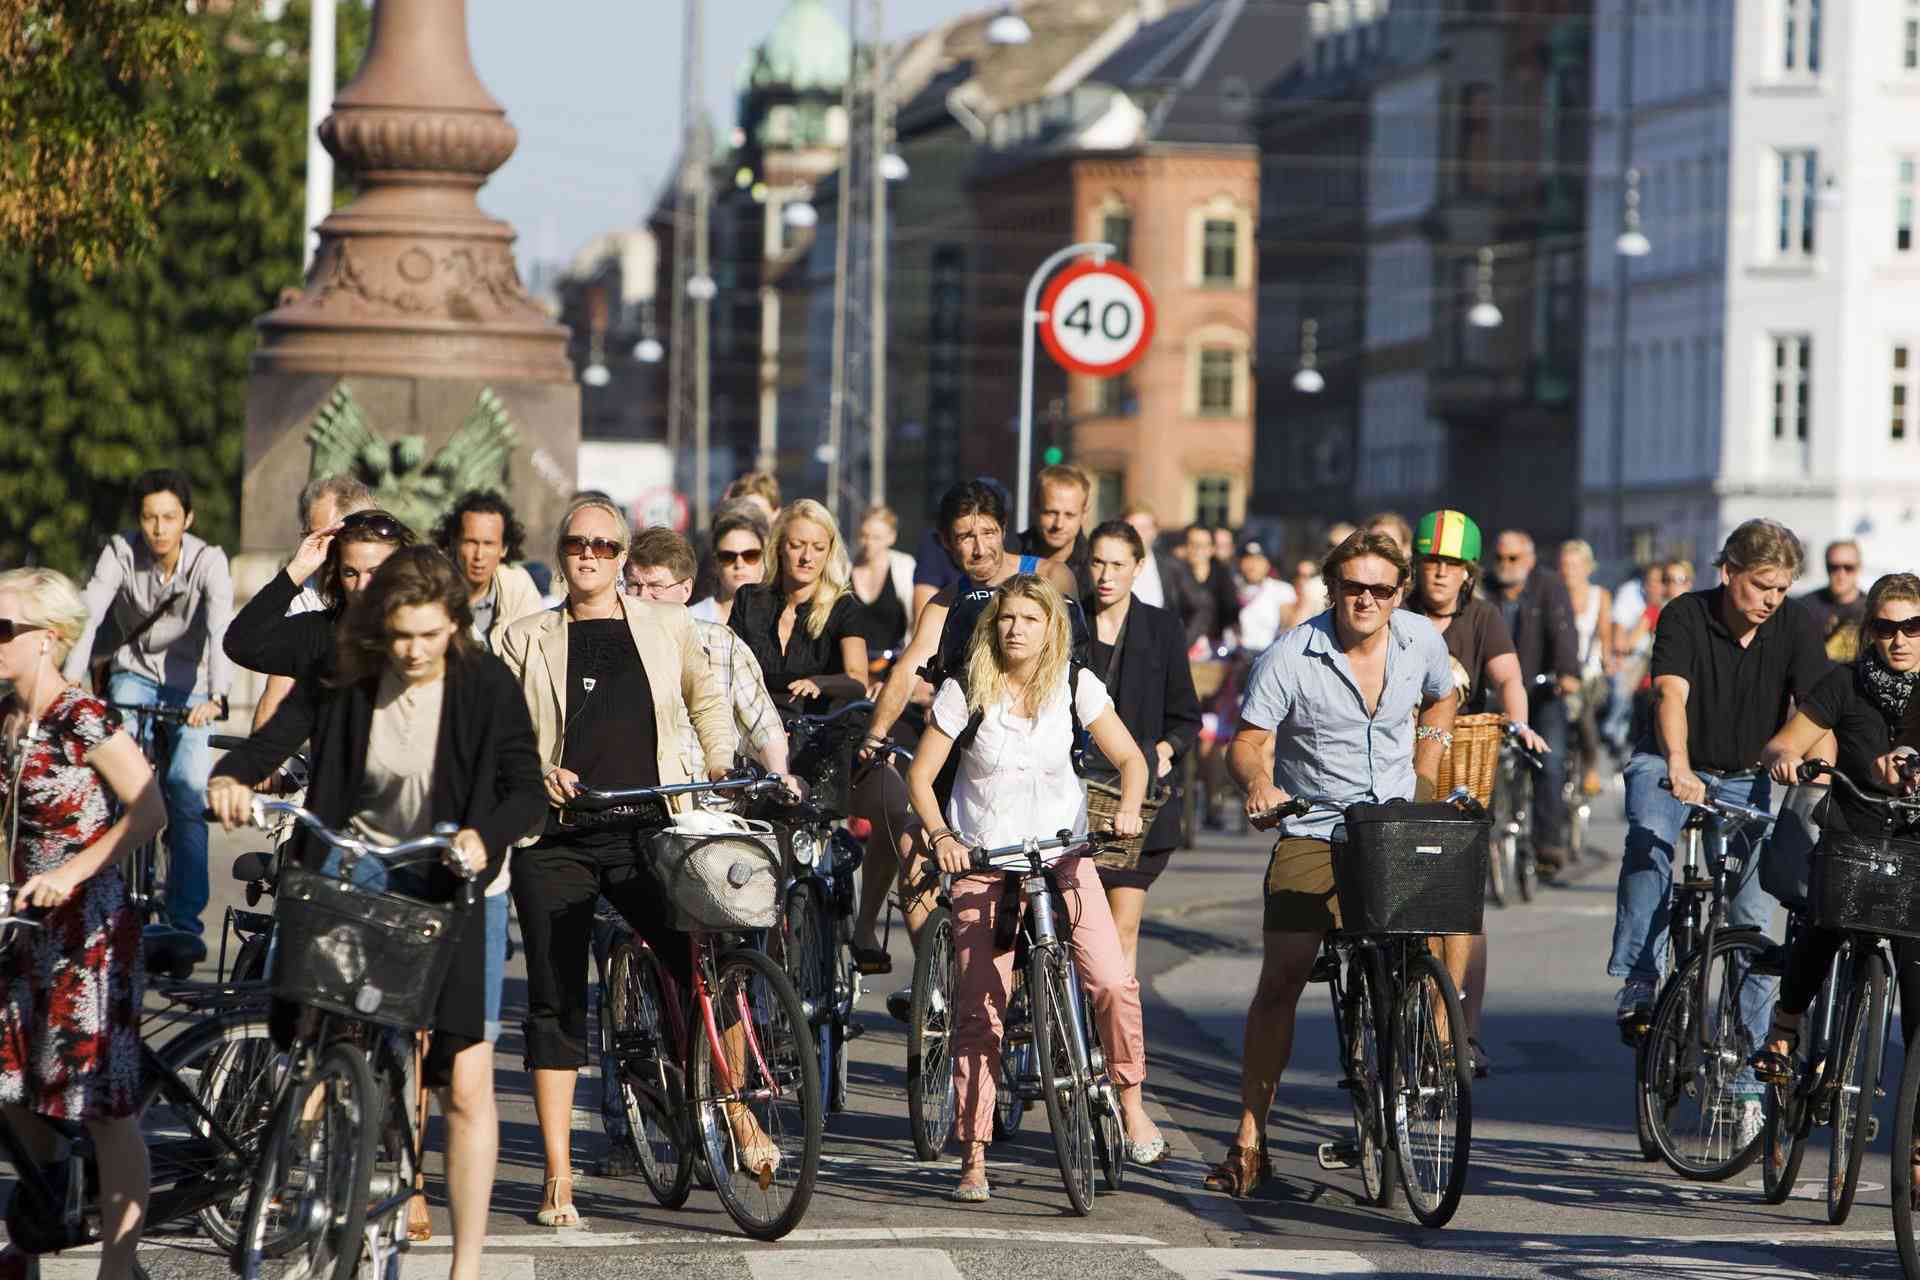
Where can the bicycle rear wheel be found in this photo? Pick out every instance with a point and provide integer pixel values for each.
(1902, 1185)
(1687, 1091)
(762, 1139)
(1433, 1093)
(1365, 1083)
(930, 1085)
(231, 1068)
(1063, 1079)
(636, 1014)
(394, 1164)
(1856, 1075)
(1016, 1059)
(308, 1203)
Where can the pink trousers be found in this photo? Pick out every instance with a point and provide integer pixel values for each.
(981, 1002)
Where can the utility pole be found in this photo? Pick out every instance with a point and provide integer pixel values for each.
(858, 394)
(321, 44)
(688, 410)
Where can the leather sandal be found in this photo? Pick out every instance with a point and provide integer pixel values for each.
(1243, 1169)
(558, 1214)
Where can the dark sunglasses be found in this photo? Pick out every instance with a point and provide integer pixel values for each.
(1837, 567)
(1887, 628)
(377, 523)
(9, 629)
(1379, 590)
(603, 548)
(749, 557)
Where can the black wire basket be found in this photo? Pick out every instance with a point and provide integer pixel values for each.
(360, 952)
(1866, 884)
(1411, 868)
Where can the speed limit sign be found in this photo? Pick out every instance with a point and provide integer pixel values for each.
(1097, 318)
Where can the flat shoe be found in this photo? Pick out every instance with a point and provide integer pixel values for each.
(871, 960)
(971, 1193)
(560, 1215)
(1152, 1151)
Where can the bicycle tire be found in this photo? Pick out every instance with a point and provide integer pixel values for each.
(1526, 858)
(332, 1249)
(1109, 1130)
(1500, 859)
(1069, 1116)
(1782, 1145)
(804, 929)
(1366, 1088)
(392, 1172)
(931, 1096)
(1016, 1061)
(1433, 1091)
(1901, 1188)
(1856, 1075)
(786, 1070)
(1678, 1081)
(227, 1063)
(636, 1017)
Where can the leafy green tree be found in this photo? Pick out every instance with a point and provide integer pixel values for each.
(145, 364)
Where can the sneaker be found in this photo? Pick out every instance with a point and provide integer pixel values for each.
(1482, 1064)
(1752, 1118)
(900, 1005)
(1634, 1002)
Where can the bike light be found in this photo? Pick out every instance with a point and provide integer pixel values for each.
(806, 849)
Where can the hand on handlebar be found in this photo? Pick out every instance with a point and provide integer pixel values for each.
(1686, 786)
(1531, 740)
(1785, 768)
(1127, 822)
(49, 889)
(231, 802)
(1899, 769)
(1263, 798)
(954, 855)
(472, 854)
(562, 785)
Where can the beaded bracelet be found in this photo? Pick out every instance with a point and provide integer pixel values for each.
(1428, 731)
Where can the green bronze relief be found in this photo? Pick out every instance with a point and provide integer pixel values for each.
(415, 488)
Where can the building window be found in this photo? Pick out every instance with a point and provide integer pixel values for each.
(1903, 205)
(1476, 138)
(1116, 228)
(1800, 37)
(1213, 501)
(1910, 37)
(1792, 377)
(1109, 496)
(1217, 368)
(1219, 251)
(1795, 199)
(1117, 397)
(1902, 372)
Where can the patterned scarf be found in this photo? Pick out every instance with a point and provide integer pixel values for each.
(1887, 689)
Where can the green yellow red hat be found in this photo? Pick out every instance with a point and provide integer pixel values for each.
(1451, 534)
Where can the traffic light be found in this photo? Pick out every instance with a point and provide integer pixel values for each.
(1054, 455)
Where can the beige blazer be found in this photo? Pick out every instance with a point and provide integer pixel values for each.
(518, 598)
(535, 650)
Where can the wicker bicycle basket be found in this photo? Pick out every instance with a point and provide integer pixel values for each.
(1474, 757)
(1118, 853)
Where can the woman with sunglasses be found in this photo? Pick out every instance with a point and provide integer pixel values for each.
(802, 622)
(607, 678)
(344, 556)
(739, 558)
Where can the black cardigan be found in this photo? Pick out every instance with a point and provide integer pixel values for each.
(1153, 693)
(263, 638)
(486, 775)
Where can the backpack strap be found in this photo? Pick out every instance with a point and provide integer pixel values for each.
(1029, 563)
(1082, 740)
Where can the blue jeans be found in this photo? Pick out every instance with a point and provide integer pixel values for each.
(496, 909)
(1616, 726)
(184, 788)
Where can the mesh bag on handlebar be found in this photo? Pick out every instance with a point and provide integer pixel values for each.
(1411, 868)
(359, 950)
(1866, 884)
(718, 872)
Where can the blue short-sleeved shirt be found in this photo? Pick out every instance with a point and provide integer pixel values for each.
(1325, 746)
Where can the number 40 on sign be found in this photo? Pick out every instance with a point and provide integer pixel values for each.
(1097, 318)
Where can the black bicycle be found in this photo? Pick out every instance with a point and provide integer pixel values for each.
(1513, 870)
(170, 951)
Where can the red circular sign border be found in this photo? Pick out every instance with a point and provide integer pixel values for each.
(1088, 267)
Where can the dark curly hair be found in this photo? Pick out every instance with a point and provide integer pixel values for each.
(415, 575)
(484, 502)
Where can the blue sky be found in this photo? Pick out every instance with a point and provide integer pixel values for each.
(594, 88)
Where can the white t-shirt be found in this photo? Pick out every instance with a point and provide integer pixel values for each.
(1262, 607)
(1147, 587)
(707, 610)
(1016, 780)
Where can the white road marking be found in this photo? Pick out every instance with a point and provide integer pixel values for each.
(1813, 1188)
(871, 1264)
(419, 1267)
(1246, 1264)
(590, 1239)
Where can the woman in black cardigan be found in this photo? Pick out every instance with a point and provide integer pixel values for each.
(1141, 653)
(410, 686)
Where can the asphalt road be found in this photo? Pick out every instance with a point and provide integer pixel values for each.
(1557, 1187)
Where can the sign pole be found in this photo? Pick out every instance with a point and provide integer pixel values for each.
(1030, 318)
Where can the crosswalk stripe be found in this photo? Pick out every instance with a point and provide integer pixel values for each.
(591, 1239)
(1247, 1264)
(437, 1266)
(870, 1264)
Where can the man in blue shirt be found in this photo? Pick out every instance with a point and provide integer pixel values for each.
(1335, 700)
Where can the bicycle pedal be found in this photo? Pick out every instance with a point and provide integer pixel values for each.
(854, 1030)
(1873, 1129)
(1338, 1155)
(1325, 969)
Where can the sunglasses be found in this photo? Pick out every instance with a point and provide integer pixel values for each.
(602, 548)
(1837, 567)
(1887, 628)
(10, 630)
(1378, 590)
(650, 589)
(377, 523)
(749, 557)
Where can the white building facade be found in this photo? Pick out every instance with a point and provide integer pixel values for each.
(1767, 359)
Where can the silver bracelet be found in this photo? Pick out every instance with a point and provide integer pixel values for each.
(1425, 731)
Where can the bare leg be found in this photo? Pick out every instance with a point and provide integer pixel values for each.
(473, 1151)
(121, 1152)
(1127, 906)
(882, 800)
(553, 1106)
(1287, 961)
(1474, 993)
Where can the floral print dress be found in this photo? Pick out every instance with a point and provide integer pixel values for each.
(70, 991)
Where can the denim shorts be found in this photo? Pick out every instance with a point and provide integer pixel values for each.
(496, 909)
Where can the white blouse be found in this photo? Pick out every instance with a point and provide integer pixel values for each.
(1016, 780)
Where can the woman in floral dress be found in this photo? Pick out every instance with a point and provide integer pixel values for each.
(70, 990)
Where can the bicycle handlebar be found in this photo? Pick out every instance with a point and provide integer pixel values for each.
(831, 718)
(7, 916)
(1031, 854)
(1814, 770)
(601, 797)
(1533, 759)
(155, 710)
(440, 843)
(1742, 813)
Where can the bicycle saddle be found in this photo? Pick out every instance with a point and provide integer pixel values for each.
(172, 952)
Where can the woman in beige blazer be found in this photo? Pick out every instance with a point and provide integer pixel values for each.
(606, 678)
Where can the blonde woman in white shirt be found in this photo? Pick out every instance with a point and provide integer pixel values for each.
(1013, 725)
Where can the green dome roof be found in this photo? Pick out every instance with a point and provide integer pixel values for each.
(807, 49)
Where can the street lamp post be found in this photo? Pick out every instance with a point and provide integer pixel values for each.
(1100, 251)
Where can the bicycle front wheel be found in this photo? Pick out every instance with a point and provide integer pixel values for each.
(1855, 1077)
(642, 1043)
(308, 1204)
(762, 1135)
(1690, 1093)
(1109, 1130)
(1363, 1015)
(806, 931)
(1016, 1060)
(1433, 1093)
(1903, 1187)
(930, 1083)
(1782, 1145)
(1063, 1078)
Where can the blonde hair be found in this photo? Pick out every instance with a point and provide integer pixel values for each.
(49, 598)
(836, 576)
(883, 512)
(986, 666)
(1580, 547)
(578, 505)
(1761, 544)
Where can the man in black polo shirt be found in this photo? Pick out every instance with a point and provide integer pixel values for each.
(1727, 664)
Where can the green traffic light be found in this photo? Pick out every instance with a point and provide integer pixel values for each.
(1054, 456)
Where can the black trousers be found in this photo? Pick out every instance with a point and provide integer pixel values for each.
(555, 885)
(1813, 951)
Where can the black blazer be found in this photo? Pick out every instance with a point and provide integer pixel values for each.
(1545, 637)
(486, 775)
(1152, 690)
(263, 638)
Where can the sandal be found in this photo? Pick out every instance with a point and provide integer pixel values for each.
(1770, 1066)
(756, 1154)
(967, 1192)
(1243, 1169)
(558, 1215)
(870, 961)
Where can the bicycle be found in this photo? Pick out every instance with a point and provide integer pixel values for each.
(1513, 870)
(169, 951)
(203, 1106)
(1400, 1029)
(1693, 1051)
(734, 1047)
(251, 932)
(336, 1173)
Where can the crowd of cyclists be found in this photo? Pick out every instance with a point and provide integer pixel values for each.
(445, 681)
